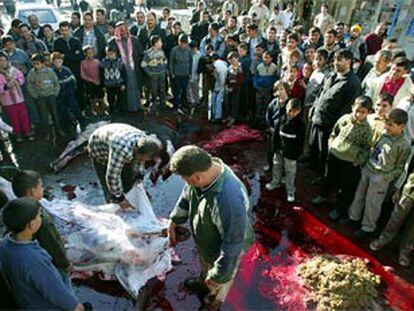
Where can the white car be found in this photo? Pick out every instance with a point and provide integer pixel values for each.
(45, 13)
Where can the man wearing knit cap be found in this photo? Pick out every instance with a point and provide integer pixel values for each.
(357, 44)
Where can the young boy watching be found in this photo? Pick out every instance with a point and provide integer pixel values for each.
(43, 86)
(349, 147)
(376, 120)
(29, 184)
(288, 144)
(385, 164)
(35, 280)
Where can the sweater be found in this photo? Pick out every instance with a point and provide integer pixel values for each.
(265, 76)
(42, 83)
(90, 71)
(35, 280)
(113, 72)
(154, 62)
(181, 61)
(11, 96)
(389, 156)
(350, 140)
(66, 79)
(219, 217)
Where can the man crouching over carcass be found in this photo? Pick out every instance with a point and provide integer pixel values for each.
(117, 152)
(216, 203)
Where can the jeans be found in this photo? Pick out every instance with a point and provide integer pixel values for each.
(263, 98)
(45, 106)
(193, 92)
(215, 107)
(67, 103)
(31, 107)
(179, 90)
(158, 90)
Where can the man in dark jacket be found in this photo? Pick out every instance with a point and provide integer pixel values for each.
(71, 48)
(200, 29)
(29, 43)
(339, 89)
(89, 34)
(149, 30)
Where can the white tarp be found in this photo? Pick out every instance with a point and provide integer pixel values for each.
(130, 246)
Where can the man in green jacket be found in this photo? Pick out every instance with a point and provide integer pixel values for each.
(216, 204)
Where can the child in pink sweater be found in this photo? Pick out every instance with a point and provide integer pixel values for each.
(12, 99)
(90, 75)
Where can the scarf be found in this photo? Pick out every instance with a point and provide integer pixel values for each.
(128, 52)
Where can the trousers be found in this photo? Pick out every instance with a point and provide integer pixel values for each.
(402, 219)
(19, 118)
(180, 90)
(67, 103)
(158, 90)
(280, 165)
(193, 92)
(319, 137)
(45, 106)
(367, 203)
(115, 98)
(215, 105)
(263, 98)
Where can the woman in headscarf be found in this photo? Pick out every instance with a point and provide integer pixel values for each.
(129, 50)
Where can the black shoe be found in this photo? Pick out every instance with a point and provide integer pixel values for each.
(335, 215)
(348, 221)
(195, 286)
(318, 181)
(319, 200)
(361, 234)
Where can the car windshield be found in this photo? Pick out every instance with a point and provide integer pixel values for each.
(45, 16)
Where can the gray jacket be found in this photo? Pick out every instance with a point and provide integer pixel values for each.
(181, 61)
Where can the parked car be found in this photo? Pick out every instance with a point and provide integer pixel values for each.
(45, 13)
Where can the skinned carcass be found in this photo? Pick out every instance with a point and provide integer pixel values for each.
(76, 147)
(128, 245)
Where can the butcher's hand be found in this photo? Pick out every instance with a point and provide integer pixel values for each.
(79, 307)
(124, 204)
(171, 233)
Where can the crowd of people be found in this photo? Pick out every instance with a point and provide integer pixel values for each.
(324, 93)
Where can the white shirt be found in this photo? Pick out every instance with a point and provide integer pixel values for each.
(407, 105)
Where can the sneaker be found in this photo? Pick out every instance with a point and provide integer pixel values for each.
(290, 197)
(318, 181)
(272, 185)
(319, 200)
(404, 260)
(360, 234)
(376, 245)
(348, 221)
(19, 139)
(335, 215)
(30, 137)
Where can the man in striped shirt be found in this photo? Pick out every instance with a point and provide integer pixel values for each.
(117, 150)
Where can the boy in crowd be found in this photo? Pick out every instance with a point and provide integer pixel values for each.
(288, 144)
(206, 68)
(234, 84)
(263, 80)
(402, 216)
(377, 120)
(43, 86)
(215, 109)
(385, 164)
(246, 96)
(89, 71)
(29, 184)
(275, 110)
(349, 147)
(180, 70)
(67, 98)
(193, 92)
(154, 65)
(113, 76)
(35, 280)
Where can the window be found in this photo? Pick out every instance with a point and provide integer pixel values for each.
(45, 16)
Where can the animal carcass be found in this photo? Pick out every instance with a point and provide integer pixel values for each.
(130, 246)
